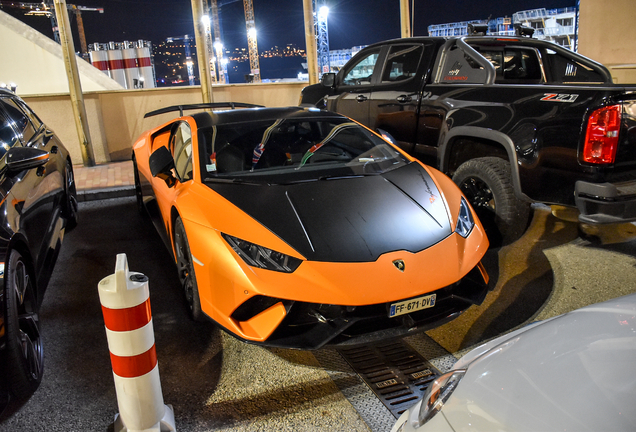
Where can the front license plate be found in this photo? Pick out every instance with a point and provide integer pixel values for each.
(408, 306)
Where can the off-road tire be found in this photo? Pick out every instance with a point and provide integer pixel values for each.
(487, 183)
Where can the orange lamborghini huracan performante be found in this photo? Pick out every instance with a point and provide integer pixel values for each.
(297, 228)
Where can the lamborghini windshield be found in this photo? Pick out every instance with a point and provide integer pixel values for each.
(293, 150)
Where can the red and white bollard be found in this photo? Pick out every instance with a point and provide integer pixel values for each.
(125, 300)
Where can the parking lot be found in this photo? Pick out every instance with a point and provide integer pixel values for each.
(215, 382)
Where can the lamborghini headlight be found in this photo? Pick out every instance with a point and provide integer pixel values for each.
(261, 257)
(465, 222)
(437, 394)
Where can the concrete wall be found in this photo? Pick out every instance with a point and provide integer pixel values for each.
(35, 62)
(606, 35)
(115, 118)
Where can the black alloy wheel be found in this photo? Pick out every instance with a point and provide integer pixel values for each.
(25, 354)
(185, 269)
(487, 184)
(479, 194)
(71, 209)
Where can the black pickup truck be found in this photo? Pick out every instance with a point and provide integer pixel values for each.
(513, 120)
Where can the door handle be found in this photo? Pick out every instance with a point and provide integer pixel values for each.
(404, 99)
(361, 98)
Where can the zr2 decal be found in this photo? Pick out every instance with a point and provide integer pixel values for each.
(554, 97)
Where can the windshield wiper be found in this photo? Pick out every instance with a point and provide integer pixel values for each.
(328, 177)
(233, 181)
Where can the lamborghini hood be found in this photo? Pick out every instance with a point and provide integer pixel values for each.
(350, 219)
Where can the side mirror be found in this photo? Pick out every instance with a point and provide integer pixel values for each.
(328, 79)
(161, 165)
(21, 158)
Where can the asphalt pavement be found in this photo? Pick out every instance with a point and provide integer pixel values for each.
(215, 382)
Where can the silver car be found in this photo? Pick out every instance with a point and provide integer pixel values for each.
(573, 372)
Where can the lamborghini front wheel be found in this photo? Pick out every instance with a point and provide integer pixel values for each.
(185, 269)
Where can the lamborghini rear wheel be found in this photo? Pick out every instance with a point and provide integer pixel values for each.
(138, 193)
(186, 271)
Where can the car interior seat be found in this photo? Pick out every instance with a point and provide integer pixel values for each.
(230, 159)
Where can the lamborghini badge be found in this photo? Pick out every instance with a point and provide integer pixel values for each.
(399, 264)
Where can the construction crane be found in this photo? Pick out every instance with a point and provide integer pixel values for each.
(77, 10)
(252, 47)
(213, 42)
(218, 43)
(208, 43)
(47, 10)
(189, 63)
(321, 12)
(216, 49)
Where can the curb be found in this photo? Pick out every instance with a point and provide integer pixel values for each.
(105, 193)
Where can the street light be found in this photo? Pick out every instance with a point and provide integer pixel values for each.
(323, 12)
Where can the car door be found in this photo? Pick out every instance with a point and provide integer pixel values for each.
(354, 84)
(181, 148)
(395, 97)
(36, 193)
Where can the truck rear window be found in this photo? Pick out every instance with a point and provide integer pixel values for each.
(514, 65)
(564, 70)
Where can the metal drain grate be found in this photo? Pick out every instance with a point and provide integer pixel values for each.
(396, 373)
(357, 392)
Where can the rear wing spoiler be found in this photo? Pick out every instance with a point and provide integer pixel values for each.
(216, 105)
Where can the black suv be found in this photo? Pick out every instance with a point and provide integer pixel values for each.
(37, 204)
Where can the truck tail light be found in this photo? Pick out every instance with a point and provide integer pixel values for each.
(601, 137)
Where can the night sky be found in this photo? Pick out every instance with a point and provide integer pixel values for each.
(278, 22)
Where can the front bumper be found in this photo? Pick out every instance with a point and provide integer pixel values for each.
(603, 203)
(312, 325)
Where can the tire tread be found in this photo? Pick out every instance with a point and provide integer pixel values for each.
(512, 214)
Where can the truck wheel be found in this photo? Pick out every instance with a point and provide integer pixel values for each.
(487, 184)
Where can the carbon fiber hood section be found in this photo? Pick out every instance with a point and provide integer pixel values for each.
(353, 219)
